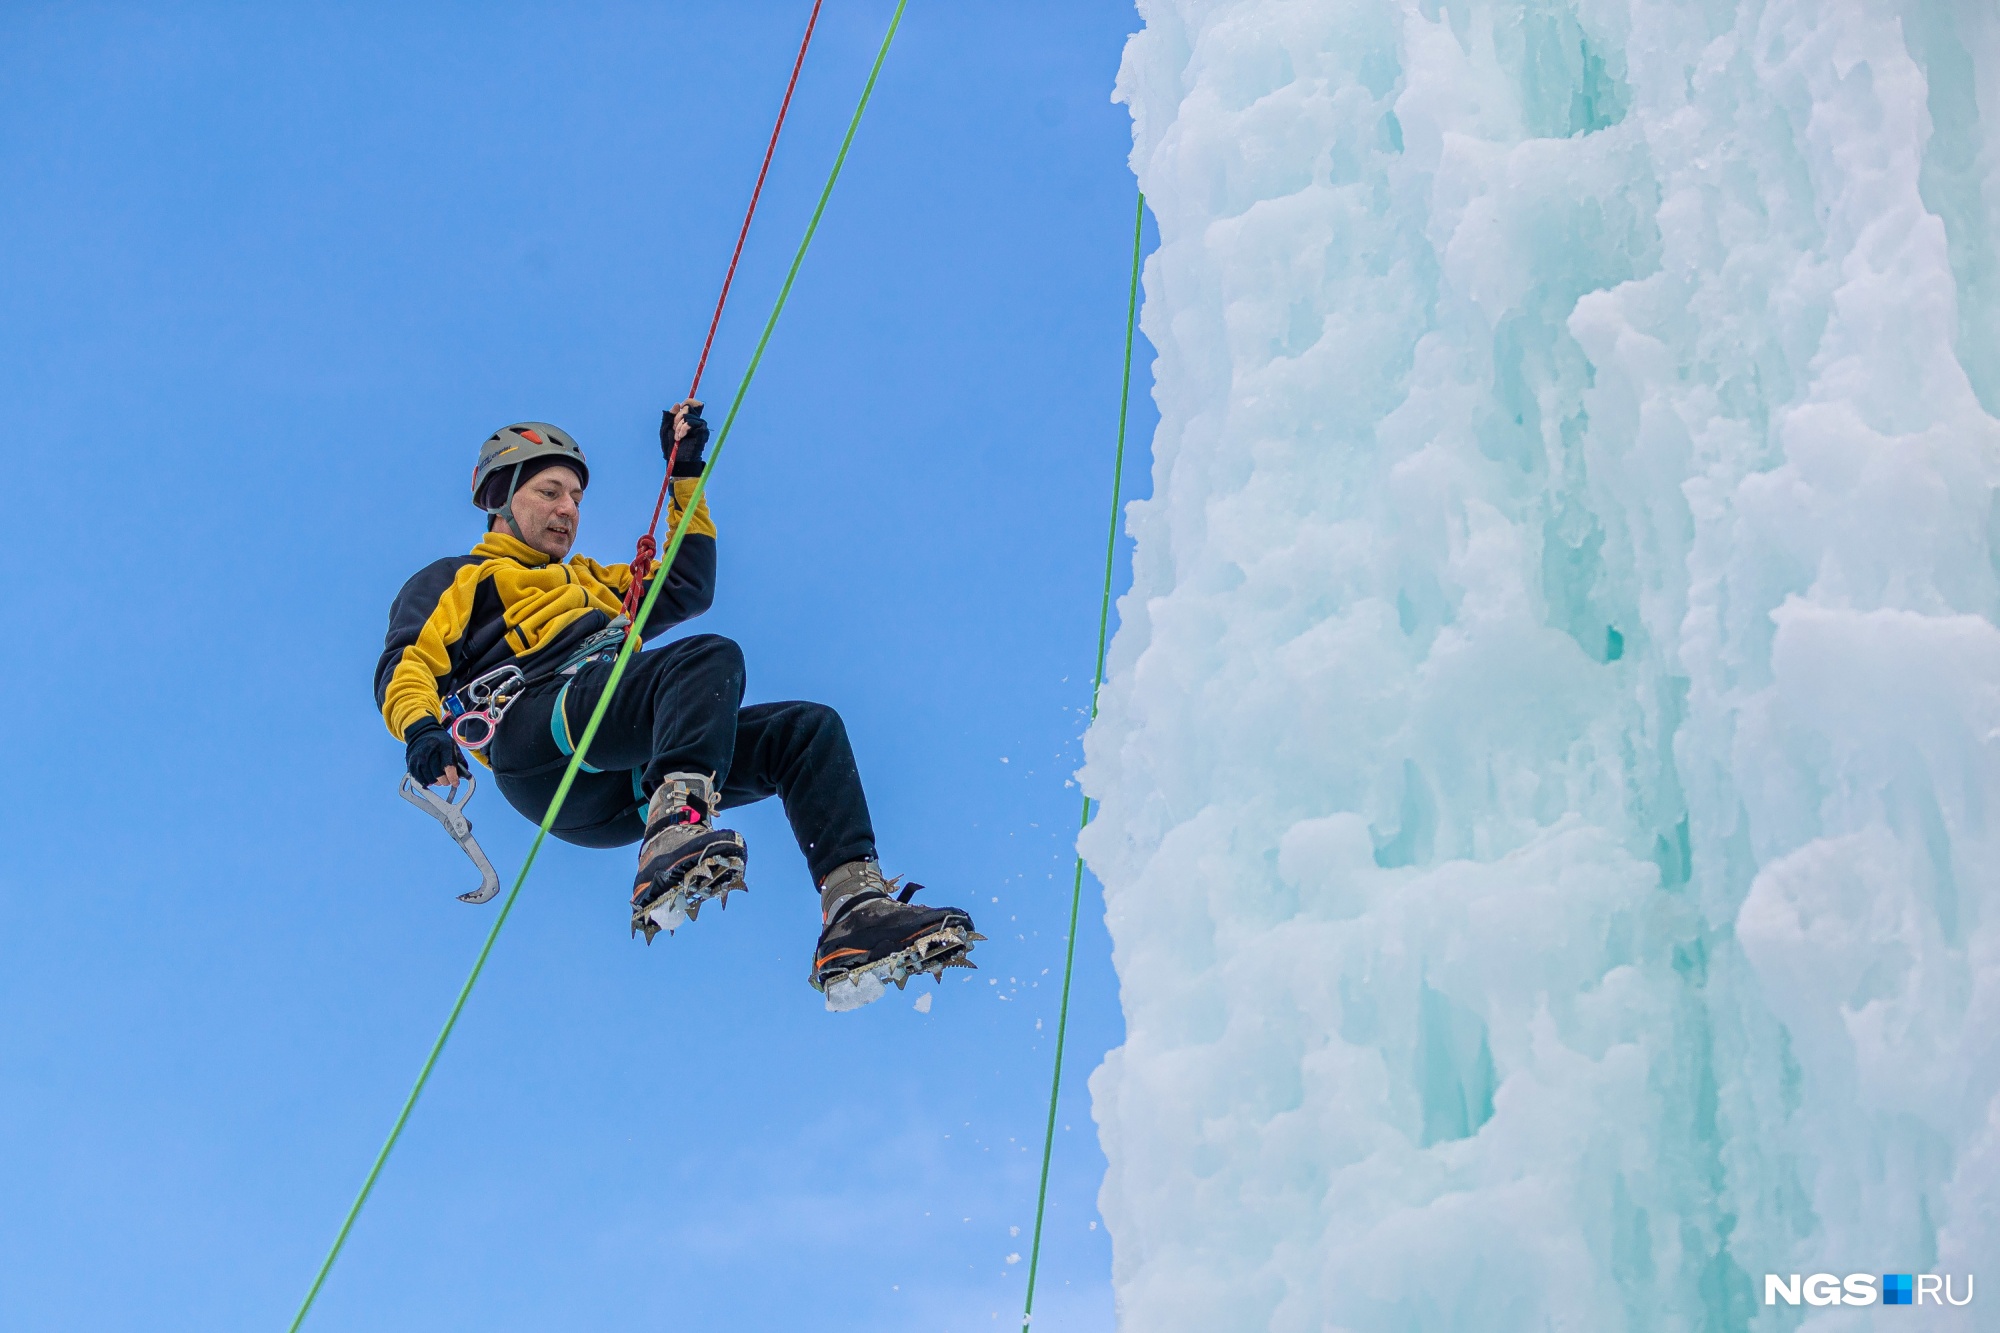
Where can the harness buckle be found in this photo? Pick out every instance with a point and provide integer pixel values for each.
(599, 647)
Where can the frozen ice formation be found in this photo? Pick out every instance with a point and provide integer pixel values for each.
(1547, 766)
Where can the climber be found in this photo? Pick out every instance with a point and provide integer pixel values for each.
(525, 634)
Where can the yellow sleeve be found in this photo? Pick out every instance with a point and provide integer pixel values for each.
(703, 525)
(619, 577)
(412, 691)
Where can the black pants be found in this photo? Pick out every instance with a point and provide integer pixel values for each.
(679, 709)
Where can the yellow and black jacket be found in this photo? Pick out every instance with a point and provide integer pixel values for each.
(462, 616)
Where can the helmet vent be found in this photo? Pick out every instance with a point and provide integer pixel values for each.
(534, 436)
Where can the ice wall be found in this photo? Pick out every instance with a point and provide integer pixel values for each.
(1548, 764)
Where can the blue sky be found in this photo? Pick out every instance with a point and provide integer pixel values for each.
(269, 275)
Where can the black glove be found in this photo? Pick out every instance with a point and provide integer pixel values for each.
(688, 462)
(431, 751)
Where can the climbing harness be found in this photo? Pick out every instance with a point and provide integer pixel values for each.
(475, 712)
(602, 646)
(451, 814)
(642, 554)
(1096, 687)
(610, 686)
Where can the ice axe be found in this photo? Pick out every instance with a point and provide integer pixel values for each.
(451, 814)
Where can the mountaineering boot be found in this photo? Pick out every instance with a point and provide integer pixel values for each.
(685, 860)
(872, 937)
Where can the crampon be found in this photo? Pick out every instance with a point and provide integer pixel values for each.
(874, 940)
(685, 861)
(708, 874)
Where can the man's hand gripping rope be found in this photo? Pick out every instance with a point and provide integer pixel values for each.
(683, 436)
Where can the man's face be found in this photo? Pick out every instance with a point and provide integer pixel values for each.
(547, 510)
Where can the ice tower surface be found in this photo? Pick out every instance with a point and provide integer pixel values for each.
(1551, 759)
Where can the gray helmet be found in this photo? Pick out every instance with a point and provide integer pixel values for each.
(503, 456)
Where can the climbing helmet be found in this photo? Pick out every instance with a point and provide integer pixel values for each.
(504, 454)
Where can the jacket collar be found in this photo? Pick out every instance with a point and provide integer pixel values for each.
(498, 545)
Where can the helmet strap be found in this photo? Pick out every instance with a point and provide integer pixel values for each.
(506, 511)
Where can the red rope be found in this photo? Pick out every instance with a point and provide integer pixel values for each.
(642, 556)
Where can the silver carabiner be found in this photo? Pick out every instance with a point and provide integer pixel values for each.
(486, 701)
(451, 814)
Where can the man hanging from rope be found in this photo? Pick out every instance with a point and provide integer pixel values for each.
(519, 618)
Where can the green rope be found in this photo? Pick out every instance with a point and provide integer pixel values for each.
(1076, 887)
(611, 685)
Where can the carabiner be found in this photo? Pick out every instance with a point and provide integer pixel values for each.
(478, 708)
